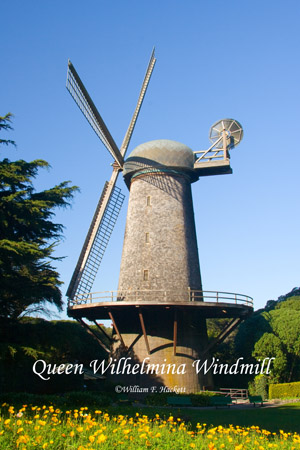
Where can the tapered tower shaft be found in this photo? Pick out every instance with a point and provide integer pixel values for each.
(160, 247)
(160, 264)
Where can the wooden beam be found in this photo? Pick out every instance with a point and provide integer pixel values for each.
(175, 331)
(103, 331)
(144, 330)
(91, 332)
(134, 341)
(223, 334)
(116, 329)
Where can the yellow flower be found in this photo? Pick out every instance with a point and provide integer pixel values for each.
(91, 439)
(23, 439)
(101, 438)
(193, 445)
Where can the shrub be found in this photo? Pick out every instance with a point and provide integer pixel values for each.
(199, 399)
(91, 399)
(67, 400)
(157, 399)
(284, 390)
(259, 386)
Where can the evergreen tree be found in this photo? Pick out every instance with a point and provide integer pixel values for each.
(274, 332)
(28, 236)
(5, 125)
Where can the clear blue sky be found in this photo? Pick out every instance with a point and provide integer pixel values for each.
(215, 59)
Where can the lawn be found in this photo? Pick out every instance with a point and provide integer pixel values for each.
(286, 417)
(48, 427)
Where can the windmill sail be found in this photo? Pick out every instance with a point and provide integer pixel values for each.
(111, 199)
(93, 249)
(90, 112)
(129, 132)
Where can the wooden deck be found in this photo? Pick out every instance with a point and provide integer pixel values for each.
(93, 311)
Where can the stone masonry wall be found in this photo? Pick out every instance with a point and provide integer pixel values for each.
(160, 247)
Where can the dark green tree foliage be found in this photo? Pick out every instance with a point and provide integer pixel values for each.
(5, 125)
(274, 332)
(283, 342)
(28, 236)
(56, 342)
(224, 353)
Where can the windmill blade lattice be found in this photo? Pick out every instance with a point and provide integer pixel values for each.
(130, 129)
(231, 127)
(95, 243)
(90, 112)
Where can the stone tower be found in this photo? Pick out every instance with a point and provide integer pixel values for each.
(160, 263)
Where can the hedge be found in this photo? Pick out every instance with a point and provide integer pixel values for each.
(198, 399)
(67, 400)
(284, 390)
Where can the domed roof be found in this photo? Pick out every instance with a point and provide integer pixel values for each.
(158, 153)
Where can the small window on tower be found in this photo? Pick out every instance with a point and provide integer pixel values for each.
(148, 200)
(146, 275)
(147, 239)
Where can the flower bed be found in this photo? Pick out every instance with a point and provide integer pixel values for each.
(33, 427)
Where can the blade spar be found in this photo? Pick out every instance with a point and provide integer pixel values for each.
(130, 129)
(86, 105)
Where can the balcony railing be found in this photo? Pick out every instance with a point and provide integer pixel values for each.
(190, 295)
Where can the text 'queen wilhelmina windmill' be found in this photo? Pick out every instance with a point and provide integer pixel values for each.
(159, 311)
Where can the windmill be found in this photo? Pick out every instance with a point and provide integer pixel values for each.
(159, 311)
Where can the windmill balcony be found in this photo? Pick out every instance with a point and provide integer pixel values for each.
(147, 296)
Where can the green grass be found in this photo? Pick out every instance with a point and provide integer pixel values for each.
(33, 427)
(286, 417)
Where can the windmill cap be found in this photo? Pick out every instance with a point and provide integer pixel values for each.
(161, 153)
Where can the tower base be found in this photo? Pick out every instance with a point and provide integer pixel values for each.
(162, 349)
(158, 344)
